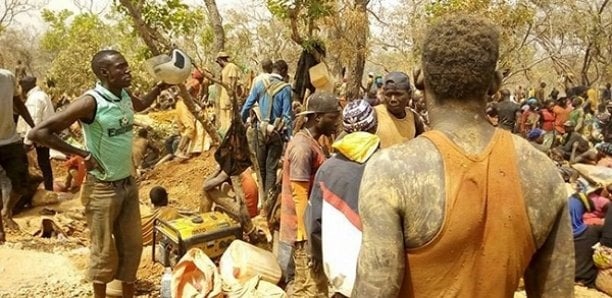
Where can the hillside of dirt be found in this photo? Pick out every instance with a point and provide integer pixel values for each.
(182, 180)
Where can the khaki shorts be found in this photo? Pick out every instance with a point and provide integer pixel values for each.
(113, 216)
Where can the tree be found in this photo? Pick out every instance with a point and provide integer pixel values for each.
(70, 45)
(217, 23)
(303, 17)
(255, 36)
(9, 9)
(150, 19)
(344, 26)
(576, 35)
(357, 28)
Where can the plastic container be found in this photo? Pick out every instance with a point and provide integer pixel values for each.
(319, 76)
(243, 261)
(166, 284)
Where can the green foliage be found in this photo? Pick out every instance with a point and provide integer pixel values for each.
(172, 17)
(70, 45)
(312, 9)
(312, 43)
(308, 13)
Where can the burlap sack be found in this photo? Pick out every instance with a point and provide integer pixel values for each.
(253, 288)
(604, 281)
(196, 276)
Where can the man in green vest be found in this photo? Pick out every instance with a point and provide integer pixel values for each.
(110, 194)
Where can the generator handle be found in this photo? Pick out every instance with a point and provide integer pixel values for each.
(157, 222)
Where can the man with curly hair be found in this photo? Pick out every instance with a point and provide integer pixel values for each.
(458, 211)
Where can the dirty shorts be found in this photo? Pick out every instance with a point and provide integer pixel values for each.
(113, 216)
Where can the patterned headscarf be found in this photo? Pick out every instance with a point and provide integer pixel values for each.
(358, 115)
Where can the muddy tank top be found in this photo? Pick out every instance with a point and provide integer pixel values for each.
(485, 242)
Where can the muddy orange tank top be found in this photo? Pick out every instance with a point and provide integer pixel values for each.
(485, 243)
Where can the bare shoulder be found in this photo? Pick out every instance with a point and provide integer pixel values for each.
(410, 176)
(543, 188)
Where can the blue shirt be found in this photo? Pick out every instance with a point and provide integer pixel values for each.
(281, 103)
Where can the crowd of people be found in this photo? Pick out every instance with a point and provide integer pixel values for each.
(427, 186)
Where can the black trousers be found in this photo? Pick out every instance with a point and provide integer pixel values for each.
(14, 160)
(44, 163)
(586, 272)
(606, 232)
(268, 156)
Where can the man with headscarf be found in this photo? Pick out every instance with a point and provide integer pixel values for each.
(397, 123)
(333, 223)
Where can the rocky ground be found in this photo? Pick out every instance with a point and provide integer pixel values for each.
(32, 266)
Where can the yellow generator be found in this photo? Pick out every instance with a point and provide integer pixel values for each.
(212, 232)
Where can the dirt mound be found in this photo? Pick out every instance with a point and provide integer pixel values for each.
(27, 273)
(182, 180)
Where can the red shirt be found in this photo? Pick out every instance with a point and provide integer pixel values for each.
(562, 116)
(77, 163)
(251, 195)
(303, 158)
(548, 120)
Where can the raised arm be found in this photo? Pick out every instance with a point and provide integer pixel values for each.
(142, 104)
(250, 101)
(381, 264)
(551, 271)
(21, 109)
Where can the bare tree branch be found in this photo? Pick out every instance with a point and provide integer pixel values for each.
(377, 17)
(528, 67)
(12, 8)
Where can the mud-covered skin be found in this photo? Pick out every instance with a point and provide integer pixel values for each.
(402, 207)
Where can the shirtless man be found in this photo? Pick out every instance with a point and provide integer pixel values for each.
(472, 221)
(140, 147)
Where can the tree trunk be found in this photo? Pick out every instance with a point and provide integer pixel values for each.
(217, 24)
(334, 58)
(157, 44)
(357, 62)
